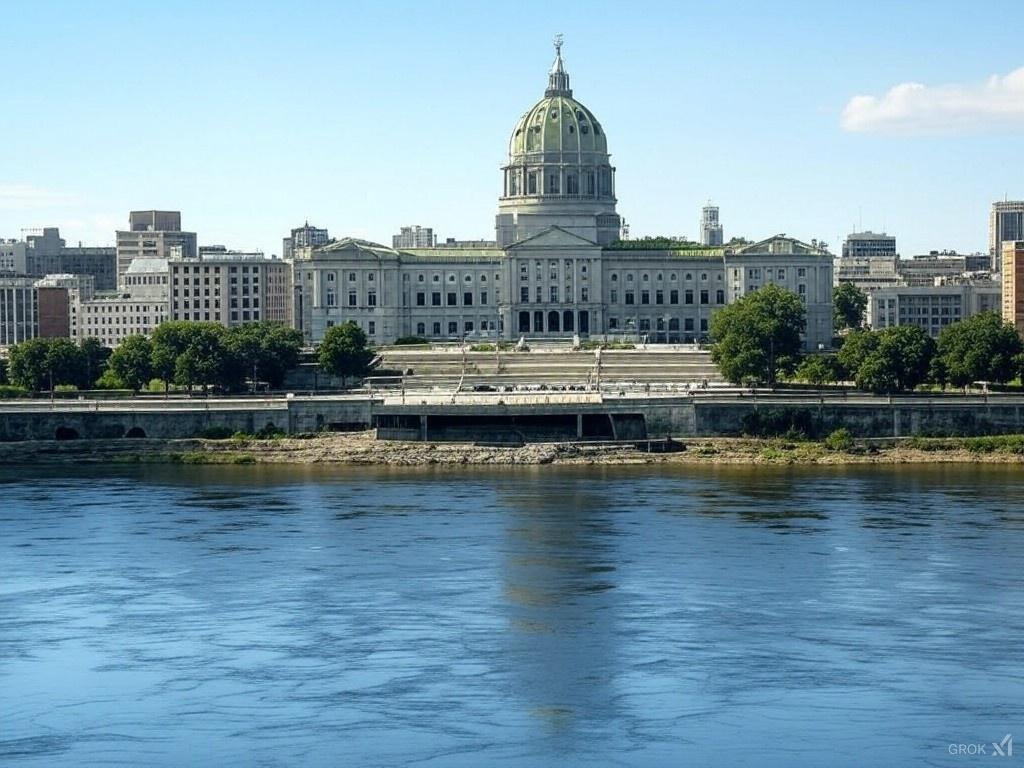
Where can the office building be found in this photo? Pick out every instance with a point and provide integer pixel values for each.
(414, 236)
(933, 307)
(869, 245)
(153, 235)
(1005, 224)
(710, 226)
(303, 238)
(19, 311)
(138, 308)
(231, 288)
(1013, 284)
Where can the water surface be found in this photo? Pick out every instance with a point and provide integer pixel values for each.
(255, 616)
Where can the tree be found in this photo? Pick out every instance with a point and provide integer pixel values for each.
(887, 361)
(980, 348)
(205, 360)
(169, 341)
(264, 351)
(758, 337)
(343, 351)
(819, 369)
(39, 364)
(132, 363)
(94, 358)
(848, 305)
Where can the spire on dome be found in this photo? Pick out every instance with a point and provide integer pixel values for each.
(558, 78)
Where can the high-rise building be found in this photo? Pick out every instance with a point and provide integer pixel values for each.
(1005, 223)
(305, 236)
(710, 226)
(153, 235)
(1013, 284)
(19, 311)
(230, 287)
(12, 257)
(46, 253)
(414, 236)
(869, 245)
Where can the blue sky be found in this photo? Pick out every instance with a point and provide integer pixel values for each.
(251, 117)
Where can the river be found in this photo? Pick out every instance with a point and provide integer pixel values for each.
(542, 616)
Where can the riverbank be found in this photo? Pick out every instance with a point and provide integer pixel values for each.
(360, 448)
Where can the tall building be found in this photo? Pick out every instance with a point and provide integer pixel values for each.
(1005, 224)
(556, 268)
(932, 307)
(19, 311)
(1013, 284)
(46, 253)
(559, 172)
(138, 308)
(230, 287)
(710, 226)
(12, 257)
(305, 236)
(153, 235)
(414, 236)
(869, 245)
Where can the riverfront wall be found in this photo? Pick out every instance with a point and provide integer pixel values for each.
(501, 419)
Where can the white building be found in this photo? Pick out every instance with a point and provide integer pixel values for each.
(557, 267)
(138, 309)
(231, 288)
(934, 307)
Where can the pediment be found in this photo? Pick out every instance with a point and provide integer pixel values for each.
(554, 237)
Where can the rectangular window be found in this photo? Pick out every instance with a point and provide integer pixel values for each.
(703, 325)
(630, 297)
(688, 324)
(524, 294)
(352, 298)
(421, 299)
(645, 297)
(613, 323)
(614, 297)
(435, 299)
(483, 297)
(371, 299)
(437, 329)
(453, 298)
(453, 328)
(673, 296)
(554, 293)
(703, 297)
(468, 326)
(659, 297)
(540, 294)
(584, 294)
(467, 299)
(688, 296)
(719, 296)
(421, 329)
(372, 327)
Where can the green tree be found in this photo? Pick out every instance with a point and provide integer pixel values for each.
(169, 341)
(205, 360)
(980, 348)
(264, 351)
(857, 347)
(819, 369)
(894, 360)
(132, 363)
(757, 338)
(94, 359)
(39, 364)
(343, 351)
(848, 305)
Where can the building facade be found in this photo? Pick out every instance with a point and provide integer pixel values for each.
(710, 226)
(19, 310)
(305, 236)
(934, 307)
(1005, 225)
(153, 235)
(557, 267)
(138, 308)
(869, 245)
(414, 236)
(231, 288)
(76, 289)
(12, 258)
(46, 253)
(1013, 284)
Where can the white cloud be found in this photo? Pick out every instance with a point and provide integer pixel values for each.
(25, 197)
(994, 106)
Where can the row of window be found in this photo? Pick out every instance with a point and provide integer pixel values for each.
(643, 324)
(704, 296)
(659, 277)
(524, 294)
(451, 299)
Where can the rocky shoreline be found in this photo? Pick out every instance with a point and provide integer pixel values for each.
(363, 449)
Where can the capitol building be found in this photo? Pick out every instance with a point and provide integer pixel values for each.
(557, 267)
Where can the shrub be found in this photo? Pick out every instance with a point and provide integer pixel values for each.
(9, 392)
(839, 440)
(482, 348)
(410, 341)
(215, 433)
(795, 424)
(65, 388)
(156, 385)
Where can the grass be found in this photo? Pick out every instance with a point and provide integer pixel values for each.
(199, 457)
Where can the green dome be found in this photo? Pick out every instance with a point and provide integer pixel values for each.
(557, 123)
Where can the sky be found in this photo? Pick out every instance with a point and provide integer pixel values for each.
(809, 118)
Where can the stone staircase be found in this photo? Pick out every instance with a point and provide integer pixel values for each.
(443, 368)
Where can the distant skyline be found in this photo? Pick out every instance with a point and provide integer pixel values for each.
(812, 119)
